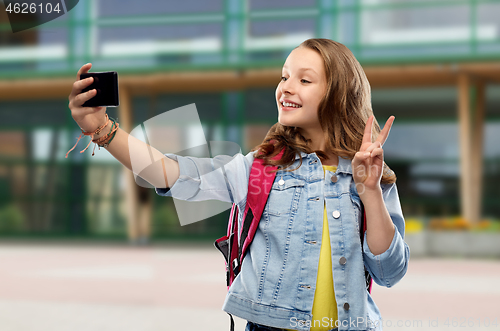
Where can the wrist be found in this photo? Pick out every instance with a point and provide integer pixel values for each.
(106, 140)
(370, 193)
(104, 131)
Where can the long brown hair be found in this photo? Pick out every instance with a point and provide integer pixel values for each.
(343, 112)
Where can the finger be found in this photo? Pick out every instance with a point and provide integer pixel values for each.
(79, 85)
(83, 70)
(373, 146)
(378, 152)
(358, 158)
(382, 137)
(367, 136)
(80, 99)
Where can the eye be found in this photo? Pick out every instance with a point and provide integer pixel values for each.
(304, 81)
(283, 79)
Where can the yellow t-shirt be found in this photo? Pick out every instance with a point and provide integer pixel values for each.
(324, 309)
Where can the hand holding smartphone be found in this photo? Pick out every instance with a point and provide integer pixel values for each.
(106, 84)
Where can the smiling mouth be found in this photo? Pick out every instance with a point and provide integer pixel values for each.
(290, 105)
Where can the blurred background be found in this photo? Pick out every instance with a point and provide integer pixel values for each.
(435, 65)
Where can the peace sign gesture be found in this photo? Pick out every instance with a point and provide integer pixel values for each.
(368, 162)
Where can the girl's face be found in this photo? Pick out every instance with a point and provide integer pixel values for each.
(302, 87)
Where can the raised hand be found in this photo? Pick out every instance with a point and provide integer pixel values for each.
(368, 162)
(87, 118)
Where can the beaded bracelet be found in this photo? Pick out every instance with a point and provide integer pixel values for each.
(112, 124)
(107, 143)
(105, 140)
(91, 134)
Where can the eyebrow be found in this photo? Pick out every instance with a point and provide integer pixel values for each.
(303, 69)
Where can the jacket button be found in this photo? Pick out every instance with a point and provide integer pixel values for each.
(334, 179)
(336, 214)
(343, 260)
(346, 306)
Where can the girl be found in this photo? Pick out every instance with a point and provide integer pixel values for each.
(305, 267)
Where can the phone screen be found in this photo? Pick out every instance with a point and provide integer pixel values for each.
(106, 84)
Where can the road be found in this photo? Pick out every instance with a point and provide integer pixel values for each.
(108, 287)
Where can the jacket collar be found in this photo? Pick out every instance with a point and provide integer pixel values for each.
(343, 166)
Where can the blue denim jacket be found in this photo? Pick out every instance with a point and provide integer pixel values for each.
(278, 275)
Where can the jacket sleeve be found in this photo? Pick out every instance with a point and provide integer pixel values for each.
(390, 266)
(223, 178)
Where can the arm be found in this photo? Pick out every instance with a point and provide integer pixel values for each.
(223, 177)
(162, 173)
(379, 226)
(385, 253)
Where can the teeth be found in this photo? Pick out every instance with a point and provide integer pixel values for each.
(287, 104)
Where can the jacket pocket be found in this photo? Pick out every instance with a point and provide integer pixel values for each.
(285, 194)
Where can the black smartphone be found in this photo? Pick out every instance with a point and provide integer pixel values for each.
(106, 84)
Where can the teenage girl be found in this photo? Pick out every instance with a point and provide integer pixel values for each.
(305, 267)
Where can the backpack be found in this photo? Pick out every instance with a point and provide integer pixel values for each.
(260, 183)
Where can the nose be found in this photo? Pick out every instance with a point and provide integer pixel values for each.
(286, 87)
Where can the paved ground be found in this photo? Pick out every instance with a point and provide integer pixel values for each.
(81, 287)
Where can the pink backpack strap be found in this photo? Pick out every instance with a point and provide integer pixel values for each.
(260, 182)
(259, 186)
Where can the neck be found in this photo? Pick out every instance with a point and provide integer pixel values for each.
(315, 138)
(317, 142)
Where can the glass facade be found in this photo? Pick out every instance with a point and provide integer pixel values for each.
(41, 192)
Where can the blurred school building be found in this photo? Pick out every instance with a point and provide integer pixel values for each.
(435, 65)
